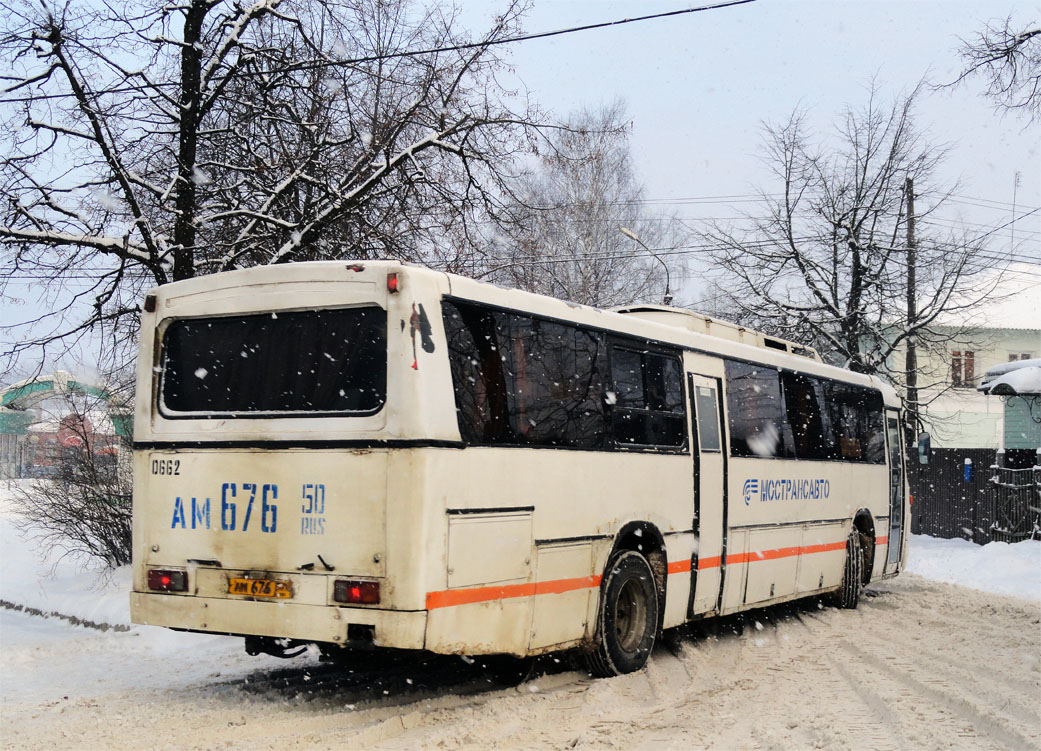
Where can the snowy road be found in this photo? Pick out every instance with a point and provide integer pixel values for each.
(920, 664)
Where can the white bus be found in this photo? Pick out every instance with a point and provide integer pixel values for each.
(376, 455)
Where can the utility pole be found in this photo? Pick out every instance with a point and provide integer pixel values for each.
(1012, 225)
(911, 358)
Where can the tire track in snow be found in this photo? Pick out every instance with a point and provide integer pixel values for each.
(1000, 691)
(885, 721)
(946, 697)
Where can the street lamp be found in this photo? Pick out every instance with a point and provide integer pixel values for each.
(632, 235)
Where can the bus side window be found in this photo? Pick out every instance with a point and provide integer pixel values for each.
(647, 406)
(557, 395)
(627, 375)
(804, 401)
(478, 373)
(856, 418)
(524, 381)
(758, 426)
(708, 418)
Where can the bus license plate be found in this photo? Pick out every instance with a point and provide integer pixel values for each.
(273, 588)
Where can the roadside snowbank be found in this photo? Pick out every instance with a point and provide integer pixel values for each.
(1012, 569)
(56, 583)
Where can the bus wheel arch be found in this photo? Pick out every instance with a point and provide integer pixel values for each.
(864, 523)
(647, 540)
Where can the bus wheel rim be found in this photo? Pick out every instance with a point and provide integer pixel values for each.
(630, 615)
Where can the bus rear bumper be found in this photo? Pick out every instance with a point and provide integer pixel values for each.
(320, 623)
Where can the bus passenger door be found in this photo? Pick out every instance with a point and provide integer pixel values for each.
(709, 455)
(896, 490)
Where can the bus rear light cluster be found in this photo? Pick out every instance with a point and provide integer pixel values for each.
(352, 592)
(393, 285)
(167, 580)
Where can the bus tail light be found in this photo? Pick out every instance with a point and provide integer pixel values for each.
(167, 580)
(356, 592)
(392, 282)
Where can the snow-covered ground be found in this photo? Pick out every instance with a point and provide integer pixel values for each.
(1012, 569)
(86, 616)
(48, 662)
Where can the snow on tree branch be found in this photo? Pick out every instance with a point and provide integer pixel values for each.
(153, 142)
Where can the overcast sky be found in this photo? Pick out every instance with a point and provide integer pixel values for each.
(699, 87)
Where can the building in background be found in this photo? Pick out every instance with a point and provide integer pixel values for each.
(43, 418)
(1005, 329)
(974, 431)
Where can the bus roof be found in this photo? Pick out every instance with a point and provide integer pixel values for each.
(676, 326)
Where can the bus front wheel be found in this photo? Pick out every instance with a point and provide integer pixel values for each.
(853, 572)
(628, 617)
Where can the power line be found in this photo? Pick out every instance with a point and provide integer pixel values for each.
(466, 45)
(939, 222)
(1008, 223)
(729, 199)
(997, 204)
(536, 35)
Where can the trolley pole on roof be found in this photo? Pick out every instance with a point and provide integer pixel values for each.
(632, 235)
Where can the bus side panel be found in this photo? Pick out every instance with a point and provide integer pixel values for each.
(735, 574)
(500, 626)
(878, 566)
(772, 562)
(822, 569)
(799, 513)
(680, 549)
(558, 563)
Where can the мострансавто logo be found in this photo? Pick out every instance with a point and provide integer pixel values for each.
(750, 490)
(785, 490)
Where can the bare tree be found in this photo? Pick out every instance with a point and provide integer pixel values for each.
(152, 142)
(1009, 59)
(83, 505)
(828, 265)
(567, 239)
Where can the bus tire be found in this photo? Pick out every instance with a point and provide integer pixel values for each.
(627, 623)
(853, 572)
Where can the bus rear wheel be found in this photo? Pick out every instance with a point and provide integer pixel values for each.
(848, 595)
(628, 617)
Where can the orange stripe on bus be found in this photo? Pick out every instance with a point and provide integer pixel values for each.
(881, 540)
(769, 555)
(711, 562)
(559, 586)
(678, 567)
(452, 597)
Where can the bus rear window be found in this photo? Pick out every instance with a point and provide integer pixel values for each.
(315, 361)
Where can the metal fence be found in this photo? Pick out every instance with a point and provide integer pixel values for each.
(995, 504)
(1017, 503)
